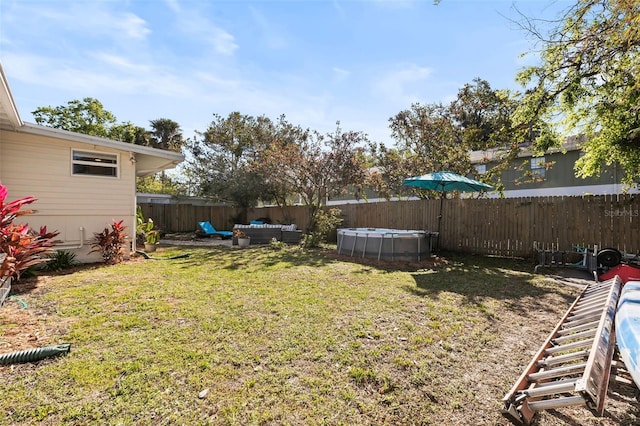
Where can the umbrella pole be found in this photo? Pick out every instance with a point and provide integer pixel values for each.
(442, 195)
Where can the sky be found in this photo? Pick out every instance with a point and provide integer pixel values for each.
(359, 62)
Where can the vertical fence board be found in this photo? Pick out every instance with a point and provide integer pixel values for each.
(505, 227)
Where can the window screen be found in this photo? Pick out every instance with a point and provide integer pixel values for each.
(94, 164)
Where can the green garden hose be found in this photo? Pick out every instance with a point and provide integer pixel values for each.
(20, 301)
(146, 256)
(31, 355)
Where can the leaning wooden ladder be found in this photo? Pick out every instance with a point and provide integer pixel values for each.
(573, 366)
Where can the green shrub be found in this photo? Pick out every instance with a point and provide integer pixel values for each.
(61, 260)
(326, 223)
(145, 230)
(275, 244)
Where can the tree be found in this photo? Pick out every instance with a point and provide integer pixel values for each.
(428, 138)
(588, 83)
(87, 117)
(129, 133)
(485, 118)
(279, 148)
(435, 137)
(220, 156)
(160, 184)
(483, 115)
(166, 134)
(314, 166)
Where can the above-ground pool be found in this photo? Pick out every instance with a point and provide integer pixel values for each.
(385, 244)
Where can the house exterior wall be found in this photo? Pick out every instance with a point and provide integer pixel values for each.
(560, 178)
(41, 167)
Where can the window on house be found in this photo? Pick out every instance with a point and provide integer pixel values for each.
(481, 168)
(88, 163)
(538, 167)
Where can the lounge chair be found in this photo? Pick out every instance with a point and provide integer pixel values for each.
(210, 231)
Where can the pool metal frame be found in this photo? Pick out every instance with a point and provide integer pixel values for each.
(382, 235)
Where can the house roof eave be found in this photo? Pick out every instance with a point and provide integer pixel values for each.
(9, 116)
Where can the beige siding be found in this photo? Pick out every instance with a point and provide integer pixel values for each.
(41, 167)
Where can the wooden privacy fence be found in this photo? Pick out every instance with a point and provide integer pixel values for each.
(185, 217)
(504, 227)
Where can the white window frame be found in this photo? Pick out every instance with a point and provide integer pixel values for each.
(538, 166)
(104, 160)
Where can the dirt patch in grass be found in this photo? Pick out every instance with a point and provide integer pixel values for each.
(23, 327)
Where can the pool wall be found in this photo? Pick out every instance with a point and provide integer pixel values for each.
(385, 244)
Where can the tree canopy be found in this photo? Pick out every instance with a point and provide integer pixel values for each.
(241, 160)
(312, 166)
(588, 83)
(219, 161)
(165, 134)
(435, 137)
(87, 116)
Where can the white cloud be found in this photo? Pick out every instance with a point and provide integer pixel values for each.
(340, 73)
(396, 4)
(339, 9)
(219, 83)
(133, 26)
(270, 35)
(85, 80)
(222, 41)
(54, 25)
(121, 62)
(200, 30)
(174, 5)
(403, 84)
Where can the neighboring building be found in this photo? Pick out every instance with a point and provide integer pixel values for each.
(82, 183)
(552, 174)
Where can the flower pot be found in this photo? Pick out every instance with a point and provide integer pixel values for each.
(149, 247)
(244, 242)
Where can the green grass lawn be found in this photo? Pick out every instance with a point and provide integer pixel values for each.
(258, 336)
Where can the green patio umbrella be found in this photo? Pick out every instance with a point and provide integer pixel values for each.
(444, 182)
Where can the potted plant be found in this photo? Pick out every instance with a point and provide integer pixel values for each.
(151, 239)
(151, 236)
(243, 239)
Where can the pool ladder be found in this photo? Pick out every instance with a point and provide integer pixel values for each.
(573, 366)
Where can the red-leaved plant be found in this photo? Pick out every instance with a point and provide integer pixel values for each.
(109, 243)
(21, 246)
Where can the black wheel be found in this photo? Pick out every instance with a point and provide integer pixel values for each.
(609, 257)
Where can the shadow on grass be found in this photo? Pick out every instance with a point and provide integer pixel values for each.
(234, 258)
(477, 278)
(29, 283)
